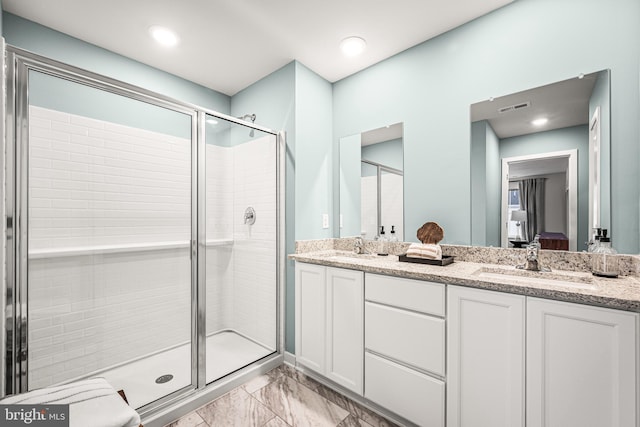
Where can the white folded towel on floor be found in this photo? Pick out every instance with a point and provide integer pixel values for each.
(424, 250)
(91, 402)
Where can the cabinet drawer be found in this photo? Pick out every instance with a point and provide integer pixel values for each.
(417, 397)
(409, 337)
(418, 295)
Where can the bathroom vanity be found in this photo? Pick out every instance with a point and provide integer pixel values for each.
(470, 344)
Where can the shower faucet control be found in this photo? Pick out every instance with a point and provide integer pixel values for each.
(249, 216)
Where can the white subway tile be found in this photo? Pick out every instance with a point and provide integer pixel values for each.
(69, 128)
(69, 166)
(45, 113)
(50, 154)
(88, 141)
(86, 122)
(40, 172)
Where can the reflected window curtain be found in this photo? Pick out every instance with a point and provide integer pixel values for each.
(532, 201)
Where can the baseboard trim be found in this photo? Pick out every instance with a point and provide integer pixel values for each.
(290, 359)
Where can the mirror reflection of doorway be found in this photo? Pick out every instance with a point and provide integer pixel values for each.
(555, 211)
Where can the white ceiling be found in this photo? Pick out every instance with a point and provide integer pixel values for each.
(386, 133)
(564, 103)
(538, 167)
(227, 45)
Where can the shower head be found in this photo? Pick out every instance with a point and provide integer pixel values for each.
(251, 117)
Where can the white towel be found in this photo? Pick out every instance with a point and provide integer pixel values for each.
(424, 250)
(91, 402)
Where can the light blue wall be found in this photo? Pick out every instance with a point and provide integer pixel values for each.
(478, 182)
(485, 185)
(314, 173)
(576, 137)
(44, 41)
(62, 95)
(526, 44)
(350, 185)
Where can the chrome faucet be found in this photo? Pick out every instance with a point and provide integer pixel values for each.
(531, 262)
(358, 246)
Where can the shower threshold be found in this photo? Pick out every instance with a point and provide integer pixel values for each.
(146, 380)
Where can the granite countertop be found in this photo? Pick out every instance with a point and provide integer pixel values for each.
(621, 293)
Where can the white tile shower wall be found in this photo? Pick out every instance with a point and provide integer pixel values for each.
(96, 183)
(391, 193)
(254, 295)
(392, 208)
(99, 183)
(90, 312)
(219, 226)
(369, 206)
(219, 190)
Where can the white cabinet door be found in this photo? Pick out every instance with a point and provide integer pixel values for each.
(345, 327)
(311, 315)
(582, 365)
(485, 358)
(330, 323)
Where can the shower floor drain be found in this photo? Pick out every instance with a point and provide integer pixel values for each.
(164, 379)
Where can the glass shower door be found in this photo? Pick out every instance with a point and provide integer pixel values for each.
(109, 232)
(241, 245)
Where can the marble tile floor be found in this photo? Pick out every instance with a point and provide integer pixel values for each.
(283, 397)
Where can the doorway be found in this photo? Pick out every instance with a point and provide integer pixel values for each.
(543, 165)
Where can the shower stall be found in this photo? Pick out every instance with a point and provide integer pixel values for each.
(143, 237)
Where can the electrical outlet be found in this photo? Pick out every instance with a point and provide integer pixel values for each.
(325, 220)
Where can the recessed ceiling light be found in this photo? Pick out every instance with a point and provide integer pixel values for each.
(163, 35)
(540, 122)
(352, 46)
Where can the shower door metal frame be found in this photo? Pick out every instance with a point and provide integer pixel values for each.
(18, 64)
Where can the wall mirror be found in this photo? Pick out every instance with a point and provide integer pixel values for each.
(540, 164)
(371, 183)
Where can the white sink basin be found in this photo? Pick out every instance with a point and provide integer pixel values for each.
(521, 277)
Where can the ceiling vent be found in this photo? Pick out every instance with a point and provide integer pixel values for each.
(514, 107)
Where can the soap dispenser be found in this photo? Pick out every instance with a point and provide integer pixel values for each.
(382, 243)
(393, 237)
(605, 263)
(596, 240)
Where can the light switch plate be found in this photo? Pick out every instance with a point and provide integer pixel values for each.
(325, 220)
